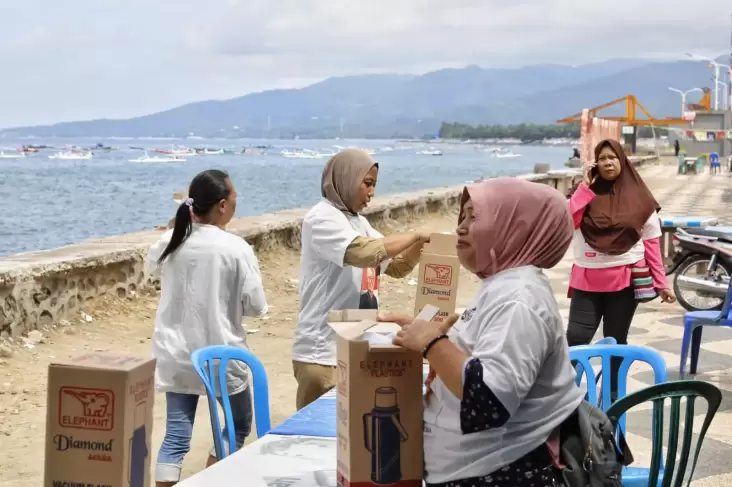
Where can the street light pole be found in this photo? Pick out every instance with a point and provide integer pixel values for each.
(716, 65)
(725, 101)
(716, 84)
(683, 96)
(717, 81)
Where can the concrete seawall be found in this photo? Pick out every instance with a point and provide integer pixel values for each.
(39, 289)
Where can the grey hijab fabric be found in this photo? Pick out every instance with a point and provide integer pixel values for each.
(342, 178)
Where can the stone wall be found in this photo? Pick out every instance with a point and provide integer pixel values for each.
(40, 288)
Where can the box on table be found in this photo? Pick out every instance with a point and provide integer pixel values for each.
(99, 421)
(379, 405)
(439, 270)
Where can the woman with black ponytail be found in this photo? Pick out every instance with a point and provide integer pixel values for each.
(210, 279)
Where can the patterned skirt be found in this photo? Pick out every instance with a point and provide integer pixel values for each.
(532, 470)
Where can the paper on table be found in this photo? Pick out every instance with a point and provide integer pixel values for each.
(428, 312)
(375, 338)
(386, 338)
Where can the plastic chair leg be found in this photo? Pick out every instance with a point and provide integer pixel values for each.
(696, 338)
(685, 346)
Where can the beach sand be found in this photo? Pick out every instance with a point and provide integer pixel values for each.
(127, 326)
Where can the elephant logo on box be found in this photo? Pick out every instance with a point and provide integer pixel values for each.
(84, 408)
(439, 275)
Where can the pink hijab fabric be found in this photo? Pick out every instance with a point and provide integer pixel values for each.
(518, 223)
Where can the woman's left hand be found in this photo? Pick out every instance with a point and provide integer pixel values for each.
(667, 295)
(417, 335)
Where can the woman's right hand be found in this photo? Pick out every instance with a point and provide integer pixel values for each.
(587, 178)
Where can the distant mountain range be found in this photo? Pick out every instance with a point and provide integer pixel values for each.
(390, 105)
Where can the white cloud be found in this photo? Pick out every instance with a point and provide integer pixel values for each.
(81, 59)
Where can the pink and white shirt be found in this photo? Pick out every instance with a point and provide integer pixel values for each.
(594, 271)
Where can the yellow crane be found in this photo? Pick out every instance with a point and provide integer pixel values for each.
(632, 105)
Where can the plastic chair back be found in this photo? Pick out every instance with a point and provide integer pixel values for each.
(714, 158)
(629, 353)
(581, 370)
(724, 314)
(723, 318)
(689, 389)
(204, 362)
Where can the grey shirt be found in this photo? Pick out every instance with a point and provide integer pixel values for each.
(514, 327)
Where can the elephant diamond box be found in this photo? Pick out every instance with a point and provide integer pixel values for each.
(99, 421)
(439, 272)
(379, 404)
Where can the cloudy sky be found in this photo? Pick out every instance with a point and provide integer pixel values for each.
(66, 60)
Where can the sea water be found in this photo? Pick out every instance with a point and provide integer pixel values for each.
(48, 203)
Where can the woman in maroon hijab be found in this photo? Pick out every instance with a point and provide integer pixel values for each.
(617, 251)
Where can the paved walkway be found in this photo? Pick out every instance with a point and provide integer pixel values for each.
(661, 327)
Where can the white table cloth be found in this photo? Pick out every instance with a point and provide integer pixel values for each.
(274, 461)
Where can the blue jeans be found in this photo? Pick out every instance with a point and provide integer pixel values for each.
(180, 414)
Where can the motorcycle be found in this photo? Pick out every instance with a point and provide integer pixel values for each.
(703, 265)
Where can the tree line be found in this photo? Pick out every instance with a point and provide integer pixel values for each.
(526, 132)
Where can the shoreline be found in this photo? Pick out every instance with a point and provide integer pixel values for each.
(108, 195)
(41, 288)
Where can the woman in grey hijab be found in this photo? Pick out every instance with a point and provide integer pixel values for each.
(341, 261)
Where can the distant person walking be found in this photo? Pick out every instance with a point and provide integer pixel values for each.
(617, 249)
(209, 279)
(677, 147)
(340, 266)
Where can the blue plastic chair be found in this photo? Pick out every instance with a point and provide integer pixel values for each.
(693, 323)
(204, 362)
(581, 370)
(632, 476)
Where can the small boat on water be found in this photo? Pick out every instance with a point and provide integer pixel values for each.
(72, 155)
(178, 150)
(430, 152)
(368, 151)
(146, 159)
(301, 154)
(101, 146)
(12, 155)
(504, 154)
(210, 152)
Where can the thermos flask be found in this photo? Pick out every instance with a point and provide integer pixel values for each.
(383, 435)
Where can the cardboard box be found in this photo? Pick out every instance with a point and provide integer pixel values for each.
(379, 405)
(439, 271)
(99, 421)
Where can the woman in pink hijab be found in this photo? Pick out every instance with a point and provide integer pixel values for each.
(502, 379)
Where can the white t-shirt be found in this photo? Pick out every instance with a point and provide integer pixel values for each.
(327, 284)
(207, 285)
(514, 327)
(586, 256)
